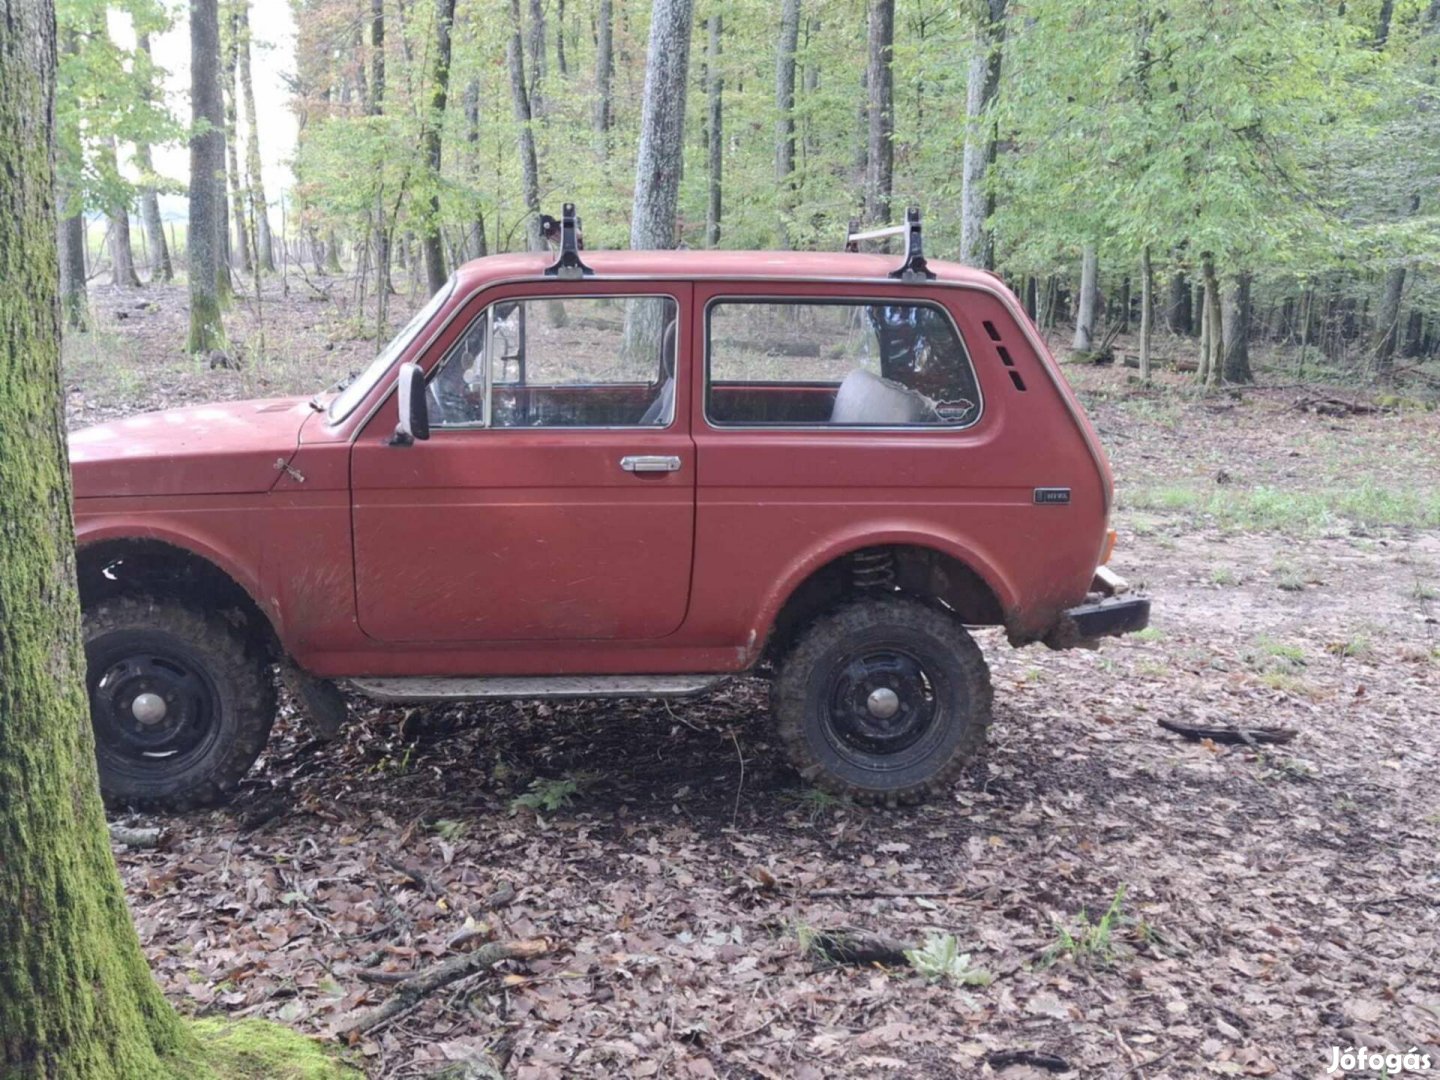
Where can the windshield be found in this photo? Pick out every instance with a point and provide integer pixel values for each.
(361, 385)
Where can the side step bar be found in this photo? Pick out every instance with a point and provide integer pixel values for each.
(500, 688)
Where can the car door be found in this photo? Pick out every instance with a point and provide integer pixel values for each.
(555, 497)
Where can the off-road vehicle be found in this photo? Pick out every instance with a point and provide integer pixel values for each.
(611, 474)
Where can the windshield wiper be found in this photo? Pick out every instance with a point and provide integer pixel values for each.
(335, 387)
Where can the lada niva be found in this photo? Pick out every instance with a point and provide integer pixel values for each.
(628, 473)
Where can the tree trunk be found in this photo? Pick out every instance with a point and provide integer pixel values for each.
(78, 997)
(714, 132)
(529, 165)
(1212, 337)
(259, 207)
(662, 126)
(332, 253)
(1083, 341)
(434, 252)
(161, 268)
(785, 114)
(535, 55)
(604, 72)
(1236, 327)
(381, 227)
(475, 242)
(207, 179)
(977, 201)
(1387, 324)
(74, 297)
(560, 63)
(1147, 311)
(880, 141)
(122, 254)
(230, 48)
(1178, 310)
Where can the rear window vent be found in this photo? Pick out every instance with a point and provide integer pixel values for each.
(990, 329)
(1005, 357)
(1015, 378)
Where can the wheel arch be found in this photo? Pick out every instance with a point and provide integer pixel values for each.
(916, 565)
(147, 566)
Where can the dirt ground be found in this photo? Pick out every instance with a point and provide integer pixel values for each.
(1133, 904)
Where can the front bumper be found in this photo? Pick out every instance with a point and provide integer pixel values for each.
(1110, 614)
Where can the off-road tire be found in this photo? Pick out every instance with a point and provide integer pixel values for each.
(813, 673)
(238, 697)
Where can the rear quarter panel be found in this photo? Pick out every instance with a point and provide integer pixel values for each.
(774, 505)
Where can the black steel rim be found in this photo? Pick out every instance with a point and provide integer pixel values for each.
(853, 724)
(191, 707)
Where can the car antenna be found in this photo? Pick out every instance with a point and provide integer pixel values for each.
(914, 268)
(567, 265)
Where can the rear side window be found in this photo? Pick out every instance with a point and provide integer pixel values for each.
(837, 364)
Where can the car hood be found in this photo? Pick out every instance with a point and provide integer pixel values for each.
(228, 448)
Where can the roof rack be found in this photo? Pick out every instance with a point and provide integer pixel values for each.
(567, 265)
(914, 267)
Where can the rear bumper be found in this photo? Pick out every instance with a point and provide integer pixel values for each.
(1110, 614)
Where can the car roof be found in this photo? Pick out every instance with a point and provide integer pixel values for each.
(708, 264)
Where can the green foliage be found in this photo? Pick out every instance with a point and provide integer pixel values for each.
(1085, 942)
(941, 960)
(550, 795)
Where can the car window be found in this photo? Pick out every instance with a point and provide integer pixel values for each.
(576, 362)
(837, 363)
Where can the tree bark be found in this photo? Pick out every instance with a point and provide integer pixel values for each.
(78, 997)
(662, 126)
(520, 96)
(785, 114)
(880, 140)
(376, 107)
(1083, 340)
(714, 132)
(1236, 332)
(259, 206)
(604, 73)
(161, 268)
(207, 179)
(977, 200)
(1211, 368)
(430, 238)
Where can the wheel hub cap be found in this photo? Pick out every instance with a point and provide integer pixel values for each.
(148, 708)
(883, 703)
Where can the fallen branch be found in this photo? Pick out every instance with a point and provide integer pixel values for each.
(856, 947)
(413, 989)
(1000, 1059)
(414, 875)
(136, 838)
(897, 894)
(1249, 736)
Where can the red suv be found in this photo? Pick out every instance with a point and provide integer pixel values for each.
(615, 474)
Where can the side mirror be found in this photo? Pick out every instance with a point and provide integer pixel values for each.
(414, 414)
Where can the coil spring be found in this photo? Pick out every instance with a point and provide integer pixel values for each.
(873, 568)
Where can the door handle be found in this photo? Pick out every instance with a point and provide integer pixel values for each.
(649, 463)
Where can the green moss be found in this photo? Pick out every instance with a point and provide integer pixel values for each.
(261, 1050)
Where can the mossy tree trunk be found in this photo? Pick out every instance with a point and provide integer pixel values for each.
(78, 999)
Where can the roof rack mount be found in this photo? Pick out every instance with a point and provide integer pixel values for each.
(914, 268)
(567, 265)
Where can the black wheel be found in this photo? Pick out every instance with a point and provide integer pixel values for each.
(884, 701)
(181, 702)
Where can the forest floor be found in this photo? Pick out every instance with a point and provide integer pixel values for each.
(1133, 905)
